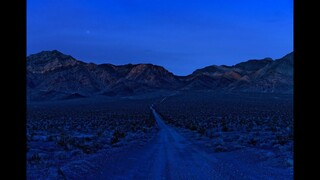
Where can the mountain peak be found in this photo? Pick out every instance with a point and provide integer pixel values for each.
(148, 71)
(48, 55)
(49, 60)
(54, 52)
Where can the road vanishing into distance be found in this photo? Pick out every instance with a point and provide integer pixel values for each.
(171, 156)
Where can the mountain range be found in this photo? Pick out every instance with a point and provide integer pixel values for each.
(54, 75)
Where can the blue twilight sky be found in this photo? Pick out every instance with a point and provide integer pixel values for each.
(181, 35)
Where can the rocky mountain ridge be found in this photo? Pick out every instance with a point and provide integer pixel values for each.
(54, 75)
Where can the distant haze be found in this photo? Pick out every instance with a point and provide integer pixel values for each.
(181, 35)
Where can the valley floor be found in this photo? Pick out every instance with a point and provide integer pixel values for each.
(181, 137)
(176, 154)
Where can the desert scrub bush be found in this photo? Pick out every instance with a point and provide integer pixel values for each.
(100, 133)
(192, 126)
(253, 141)
(282, 139)
(210, 133)
(224, 127)
(64, 141)
(90, 148)
(150, 122)
(201, 130)
(219, 145)
(220, 148)
(35, 158)
(116, 136)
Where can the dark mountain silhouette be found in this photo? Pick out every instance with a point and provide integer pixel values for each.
(253, 65)
(54, 75)
(265, 75)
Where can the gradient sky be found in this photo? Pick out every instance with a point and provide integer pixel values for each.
(181, 35)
